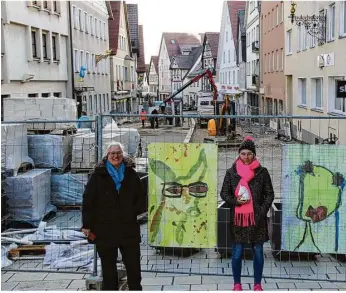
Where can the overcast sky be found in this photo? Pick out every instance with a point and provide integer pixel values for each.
(180, 16)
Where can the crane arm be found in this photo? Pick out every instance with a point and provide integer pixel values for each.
(195, 79)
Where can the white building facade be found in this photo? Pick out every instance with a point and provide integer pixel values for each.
(35, 49)
(252, 56)
(89, 26)
(314, 66)
(227, 69)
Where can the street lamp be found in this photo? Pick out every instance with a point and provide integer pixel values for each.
(314, 24)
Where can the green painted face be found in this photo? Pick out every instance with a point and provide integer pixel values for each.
(180, 200)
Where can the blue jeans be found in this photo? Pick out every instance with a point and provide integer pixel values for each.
(258, 261)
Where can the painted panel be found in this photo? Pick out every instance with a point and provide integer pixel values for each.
(182, 195)
(314, 198)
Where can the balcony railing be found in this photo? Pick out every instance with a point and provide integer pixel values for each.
(255, 46)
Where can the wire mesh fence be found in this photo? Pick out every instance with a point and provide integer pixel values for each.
(186, 228)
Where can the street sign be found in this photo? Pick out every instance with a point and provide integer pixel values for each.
(341, 88)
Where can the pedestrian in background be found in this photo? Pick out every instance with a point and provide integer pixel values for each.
(112, 199)
(143, 117)
(248, 190)
(83, 121)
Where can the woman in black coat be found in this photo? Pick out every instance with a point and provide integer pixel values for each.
(248, 190)
(112, 199)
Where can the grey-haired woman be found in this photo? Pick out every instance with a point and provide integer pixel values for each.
(113, 198)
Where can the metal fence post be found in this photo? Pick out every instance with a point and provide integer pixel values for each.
(94, 281)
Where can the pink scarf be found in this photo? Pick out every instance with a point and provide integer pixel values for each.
(244, 214)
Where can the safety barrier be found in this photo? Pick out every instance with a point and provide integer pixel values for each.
(187, 231)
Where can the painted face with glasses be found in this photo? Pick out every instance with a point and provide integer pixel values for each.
(115, 156)
(246, 156)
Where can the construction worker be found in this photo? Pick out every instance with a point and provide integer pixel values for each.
(82, 121)
(143, 117)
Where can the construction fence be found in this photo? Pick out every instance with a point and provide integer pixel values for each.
(185, 230)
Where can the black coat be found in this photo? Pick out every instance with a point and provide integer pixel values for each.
(262, 195)
(111, 215)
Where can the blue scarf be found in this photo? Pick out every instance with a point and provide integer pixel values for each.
(116, 174)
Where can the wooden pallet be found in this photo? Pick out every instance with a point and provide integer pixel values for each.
(77, 171)
(69, 207)
(27, 250)
(67, 131)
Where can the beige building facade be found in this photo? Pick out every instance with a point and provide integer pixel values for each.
(313, 65)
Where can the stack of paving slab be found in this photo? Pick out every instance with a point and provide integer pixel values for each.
(67, 189)
(84, 145)
(41, 109)
(50, 151)
(29, 195)
(14, 147)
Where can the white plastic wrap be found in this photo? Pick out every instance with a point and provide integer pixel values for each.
(50, 151)
(5, 262)
(67, 189)
(61, 256)
(26, 109)
(29, 195)
(14, 146)
(84, 146)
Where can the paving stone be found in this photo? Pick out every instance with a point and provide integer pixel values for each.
(325, 270)
(217, 280)
(308, 285)
(63, 276)
(286, 285)
(299, 271)
(5, 277)
(188, 280)
(22, 277)
(340, 286)
(8, 286)
(177, 288)
(148, 275)
(152, 288)
(222, 287)
(269, 286)
(328, 285)
(337, 277)
(77, 284)
(157, 281)
(299, 264)
(205, 287)
(43, 285)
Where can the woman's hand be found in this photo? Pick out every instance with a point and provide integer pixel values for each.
(240, 201)
(86, 232)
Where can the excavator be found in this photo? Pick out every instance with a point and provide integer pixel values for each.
(225, 128)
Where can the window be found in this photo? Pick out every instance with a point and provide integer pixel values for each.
(45, 4)
(277, 60)
(302, 91)
(80, 19)
(75, 17)
(343, 18)
(305, 36)
(95, 103)
(281, 11)
(86, 29)
(277, 13)
(105, 32)
(35, 3)
(312, 41)
(55, 6)
(289, 42)
(282, 59)
(224, 57)
(100, 104)
(88, 62)
(331, 23)
(233, 77)
(100, 29)
(299, 38)
(45, 95)
(317, 92)
(226, 37)
(54, 47)
(95, 28)
(90, 102)
(91, 25)
(75, 58)
(44, 46)
(32, 95)
(104, 102)
(57, 95)
(33, 44)
(108, 106)
(229, 56)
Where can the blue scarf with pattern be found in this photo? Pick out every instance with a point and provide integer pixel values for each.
(117, 174)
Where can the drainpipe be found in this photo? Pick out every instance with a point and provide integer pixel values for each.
(259, 60)
(71, 48)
